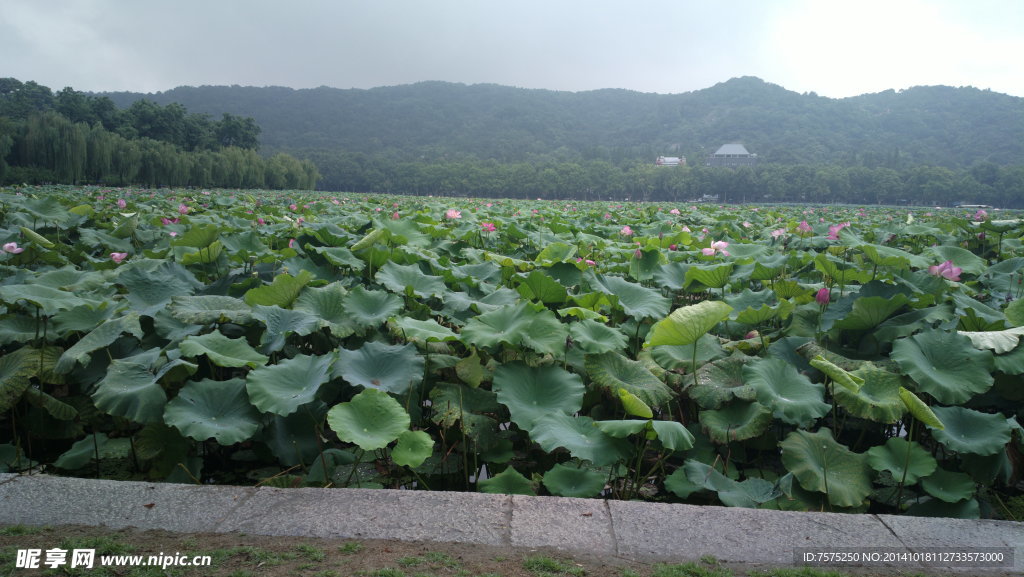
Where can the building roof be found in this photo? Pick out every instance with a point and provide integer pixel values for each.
(732, 150)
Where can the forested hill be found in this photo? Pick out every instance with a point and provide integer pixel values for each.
(443, 122)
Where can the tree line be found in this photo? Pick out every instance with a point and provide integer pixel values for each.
(986, 183)
(75, 138)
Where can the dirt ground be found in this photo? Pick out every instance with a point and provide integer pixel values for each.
(239, 555)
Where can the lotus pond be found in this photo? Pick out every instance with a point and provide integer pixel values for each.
(801, 358)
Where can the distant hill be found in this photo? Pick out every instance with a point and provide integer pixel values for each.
(443, 122)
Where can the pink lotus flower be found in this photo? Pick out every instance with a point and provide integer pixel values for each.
(981, 215)
(946, 270)
(13, 248)
(833, 230)
(686, 228)
(638, 254)
(452, 214)
(746, 224)
(607, 216)
(121, 203)
(673, 247)
(395, 216)
(488, 227)
(626, 231)
(293, 206)
(823, 296)
(118, 257)
(778, 232)
(674, 211)
(182, 208)
(173, 234)
(260, 221)
(716, 247)
(803, 227)
(292, 243)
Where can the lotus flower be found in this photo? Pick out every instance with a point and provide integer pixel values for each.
(716, 247)
(452, 214)
(674, 211)
(626, 231)
(833, 231)
(823, 296)
(778, 232)
(121, 203)
(803, 227)
(118, 257)
(488, 227)
(395, 215)
(946, 270)
(13, 248)
(981, 215)
(182, 208)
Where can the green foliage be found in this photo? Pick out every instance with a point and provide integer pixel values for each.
(422, 357)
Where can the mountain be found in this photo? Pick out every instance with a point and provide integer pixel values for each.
(441, 122)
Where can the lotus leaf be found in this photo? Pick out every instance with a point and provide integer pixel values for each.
(821, 464)
(792, 396)
(509, 482)
(371, 420)
(566, 481)
(282, 388)
(391, 368)
(944, 365)
(970, 431)
(217, 409)
(907, 461)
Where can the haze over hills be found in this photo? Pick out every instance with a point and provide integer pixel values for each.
(444, 122)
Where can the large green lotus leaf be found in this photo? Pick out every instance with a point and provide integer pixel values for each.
(17, 328)
(538, 286)
(613, 371)
(222, 351)
(412, 448)
(907, 461)
(370, 308)
(869, 312)
(507, 482)
(736, 421)
(57, 409)
(969, 509)
(963, 258)
(327, 305)
(821, 464)
(280, 323)
(890, 256)
(82, 452)
(949, 486)
(79, 319)
(16, 371)
(841, 272)
(410, 280)
(533, 392)
(130, 390)
(153, 283)
(296, 438)
(281, 292)
(707, 275)
(919, 409)
(518, 325)
(792, 396)
(338, 256)
(673, 435)
(945, 365)
(417, 331)
(566, 481)
(556, 252)
(282, 388)
(749, 493)
(622, 428)
(450, 402)
(207, 309)
(49, 300)
(371, 420)
(580, 437)
(721, 381)
(687, 324)
(206, 255)
(217, 409)
(906, 324)
(681, 357)
(198, 236)
(970, 431)
(100, 337)
(1011, 363)
(998, 342)
(638, 301)
(593, 337)
(838, 374)
(391, 368)
(877, 399)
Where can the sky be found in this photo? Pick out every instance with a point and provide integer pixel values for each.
(835, 48)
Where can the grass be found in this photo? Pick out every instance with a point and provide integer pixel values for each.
(548, 567)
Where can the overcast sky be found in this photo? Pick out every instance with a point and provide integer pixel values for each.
(836, 48)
